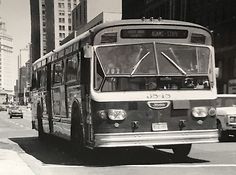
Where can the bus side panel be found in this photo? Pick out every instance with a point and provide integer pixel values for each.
(45, 112)
(34, 98)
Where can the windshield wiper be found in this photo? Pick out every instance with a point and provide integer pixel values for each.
(174, 63)
(135, 67)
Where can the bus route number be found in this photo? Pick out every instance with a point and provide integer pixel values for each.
(158, 96)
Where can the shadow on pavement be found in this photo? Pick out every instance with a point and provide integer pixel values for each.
(57, 151)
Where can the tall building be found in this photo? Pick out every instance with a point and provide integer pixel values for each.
(87, 10)
(167, 9)
(35, 30)
(24, 56)
(220, 17)
(51, 22)
(6, 60)
(23, 74)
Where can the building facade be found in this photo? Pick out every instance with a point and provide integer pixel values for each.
(24, 72)
(88, 10)
(220, 17)
(51, 22)
(6, 61)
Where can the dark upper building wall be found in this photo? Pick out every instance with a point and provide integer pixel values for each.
(167, 9)
(50, 25)
(35, 29)
(133, 9)
(79, 15)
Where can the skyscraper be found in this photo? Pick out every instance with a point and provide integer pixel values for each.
(6, 60)
(51, 22)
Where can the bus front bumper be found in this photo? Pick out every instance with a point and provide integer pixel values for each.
(155, 138)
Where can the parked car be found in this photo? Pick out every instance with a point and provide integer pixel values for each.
(15, 111)
(226, 115)
(3, 108)
(9, 109)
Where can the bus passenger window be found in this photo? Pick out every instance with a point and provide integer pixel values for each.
(38, 77)
(43, 78)
(71, 68)
(33, 81)
(58, 72)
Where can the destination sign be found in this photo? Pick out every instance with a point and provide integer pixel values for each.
(154, 33)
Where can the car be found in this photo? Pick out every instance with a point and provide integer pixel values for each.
(226, 115)
(15, 111)
(3, 108)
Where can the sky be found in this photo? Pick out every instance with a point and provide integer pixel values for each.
(16, 15)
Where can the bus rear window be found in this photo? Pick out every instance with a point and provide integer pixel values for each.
(154, 33)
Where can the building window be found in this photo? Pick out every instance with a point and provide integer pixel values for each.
(62, 35)
(61, 27)
(61, 12)
(61, 5)
(62, 20)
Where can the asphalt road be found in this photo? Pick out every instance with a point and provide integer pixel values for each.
(54, 156)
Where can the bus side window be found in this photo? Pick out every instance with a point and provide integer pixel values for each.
(43, 78)
(58, 72)
(38, 77)
(72, 66)
(33, 83)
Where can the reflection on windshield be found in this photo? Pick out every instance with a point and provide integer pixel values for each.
(172, 66)
(174, 63)
(128, 59)
(176, 59)
(155, 83)
(138, 63)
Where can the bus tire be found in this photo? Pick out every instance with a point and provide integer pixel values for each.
(182, 150)
(77, 129)
(41, 134)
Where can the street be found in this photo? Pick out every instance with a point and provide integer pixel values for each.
(56, 157)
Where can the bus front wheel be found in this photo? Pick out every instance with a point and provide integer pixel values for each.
(182, 150)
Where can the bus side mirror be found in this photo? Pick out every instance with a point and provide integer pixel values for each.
(217, 72)
(87, 51)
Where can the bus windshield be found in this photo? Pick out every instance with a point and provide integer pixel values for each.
(128, 59)
(151, 60)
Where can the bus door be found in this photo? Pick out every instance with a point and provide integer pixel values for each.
(58, 96)
(43, 94)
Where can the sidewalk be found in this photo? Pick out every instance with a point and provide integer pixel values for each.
(12, 164)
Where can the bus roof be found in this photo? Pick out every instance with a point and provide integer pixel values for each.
(146, 22)
(99, 27)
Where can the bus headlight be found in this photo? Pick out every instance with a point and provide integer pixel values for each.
(116, 114)
(112, 114)
(200, 112)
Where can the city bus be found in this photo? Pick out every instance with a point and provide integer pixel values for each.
(147, 82)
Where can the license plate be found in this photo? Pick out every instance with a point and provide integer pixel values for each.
(159, 126)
